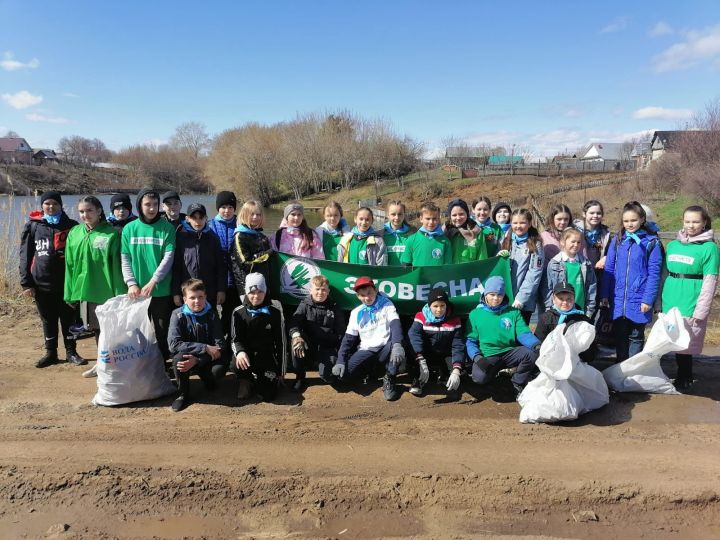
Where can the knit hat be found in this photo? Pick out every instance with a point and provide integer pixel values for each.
(170, 195)
(54, 195)
(458, 202)
(255, 282)
(121, 200)
(438, 294)
(495, 284)
(293, 207)
(224, 198)
(500, 206)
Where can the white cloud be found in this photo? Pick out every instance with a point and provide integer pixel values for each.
(35, 117)
(699, 46)
(661, 29)
(8, 63)
(22, 99)
(70, 95)
(661, 113)
(617, 24)
(156, 142)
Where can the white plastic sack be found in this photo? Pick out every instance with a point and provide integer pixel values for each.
(566, 386)
(642, 372)
(130, 366)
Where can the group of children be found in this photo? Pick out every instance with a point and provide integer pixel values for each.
(190, 265)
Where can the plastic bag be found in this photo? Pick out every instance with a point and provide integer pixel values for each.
(566, 386)
(130, 366)
(642, 372)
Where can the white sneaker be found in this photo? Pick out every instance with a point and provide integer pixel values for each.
(416, 390)
(92, 372)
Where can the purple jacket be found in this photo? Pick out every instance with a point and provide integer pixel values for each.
(632, 276)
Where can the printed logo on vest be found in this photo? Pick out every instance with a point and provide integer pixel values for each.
(681, 258)
(505, 323)
(436, 253)
(100, 242)
(295, 276)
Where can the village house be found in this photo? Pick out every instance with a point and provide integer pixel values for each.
(603, 152)
(44, 157)
(15, 150)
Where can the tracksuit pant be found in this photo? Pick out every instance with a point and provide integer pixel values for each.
(323, 355)
(52, 308)
(363, 361)
(486, 368)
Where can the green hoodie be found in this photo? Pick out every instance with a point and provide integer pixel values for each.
(92, 264)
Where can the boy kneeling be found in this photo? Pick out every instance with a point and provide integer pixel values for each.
(564, 310)
(196, 341)
(373, 336)
(436, 338)
(498, 338)
(257, 341)
(316, 329)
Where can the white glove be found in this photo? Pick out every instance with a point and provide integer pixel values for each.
(397, 354)
(339, 370)
(453, 381)
(424, 371)
(517, 304)
(503, 253)
(299, 346)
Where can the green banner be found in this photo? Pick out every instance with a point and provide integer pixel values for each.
(408, 288)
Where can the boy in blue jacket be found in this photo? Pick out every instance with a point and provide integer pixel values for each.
(436, 338)
(498, 338)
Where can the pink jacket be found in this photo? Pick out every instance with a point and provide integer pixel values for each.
(293, 242)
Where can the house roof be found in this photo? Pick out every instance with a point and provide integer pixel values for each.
(641, 149)
(605, 151)
(14, 144)
(670, 138)
(44, 153)
(504, 160)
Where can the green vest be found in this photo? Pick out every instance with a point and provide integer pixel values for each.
(681, 258)
(573, 273)
(424, 250)
(146, 244)
(496, 333)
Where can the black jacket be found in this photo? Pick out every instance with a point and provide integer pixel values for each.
(199, 255)
(320, 324)
(249, 253)
(261, 336)
(119, 224)
(188, 337)
(42, 252)
(548, 321)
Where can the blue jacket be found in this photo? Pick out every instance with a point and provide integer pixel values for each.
(556, 273)
(225, 233)
(527, 270)
(632, 276)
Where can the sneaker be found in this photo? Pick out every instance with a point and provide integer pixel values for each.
(299, 385)
(92, 372)
(74, 358)
(416, 389)
(390, 391)
(683, 384)
(50, 358)
(81, 331)
(180, 403)
(243, 389)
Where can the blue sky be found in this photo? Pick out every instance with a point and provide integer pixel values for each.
(542, 75)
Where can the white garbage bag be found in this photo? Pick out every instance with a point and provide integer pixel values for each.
(130, 366)
(642, 372)
(566, 386)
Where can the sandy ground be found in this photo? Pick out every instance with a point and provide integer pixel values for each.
(346, 465)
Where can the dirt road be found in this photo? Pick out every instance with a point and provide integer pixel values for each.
(330, 465)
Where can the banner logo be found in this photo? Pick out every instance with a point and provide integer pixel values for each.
(295, 276)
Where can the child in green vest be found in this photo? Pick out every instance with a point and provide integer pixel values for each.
(465, 236)
(362, 245)
(397, 231)
(491, 232)
(332, 229)
(429, 246)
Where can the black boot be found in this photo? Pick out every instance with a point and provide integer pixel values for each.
(72, 355)
(51, 357)
(181, 402)
(390, 391)
(684, 377)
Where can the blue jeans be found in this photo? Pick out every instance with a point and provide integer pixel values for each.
(361, 362)
(486, 368)
(629, 338)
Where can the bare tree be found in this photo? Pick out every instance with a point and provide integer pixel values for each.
(193, 137)
(82, 151)
(12, 134)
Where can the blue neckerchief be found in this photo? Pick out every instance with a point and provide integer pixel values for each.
(496, 309)
(226, 221)
(248, 230)
(52, 220)
(565, 314)
(359, 234)
(257, 311)
(429, 317)
(592, 237)
(520, 239)
(504, 226)
(404, 228)
(366, 313)
(634, 236)
(189, 228)
(486, 223)
(342, 224)
(336, 231)
(194, 314)
(437, 232)
(112, 219)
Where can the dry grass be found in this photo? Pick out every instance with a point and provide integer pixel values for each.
(13, 220)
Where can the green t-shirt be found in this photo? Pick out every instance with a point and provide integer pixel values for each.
(425, 250)
(684, 258)
(147, 244)
(357, 251)
(573, 274)
(330, 244)
(463, 252)
(496, 333)
(395, 245)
